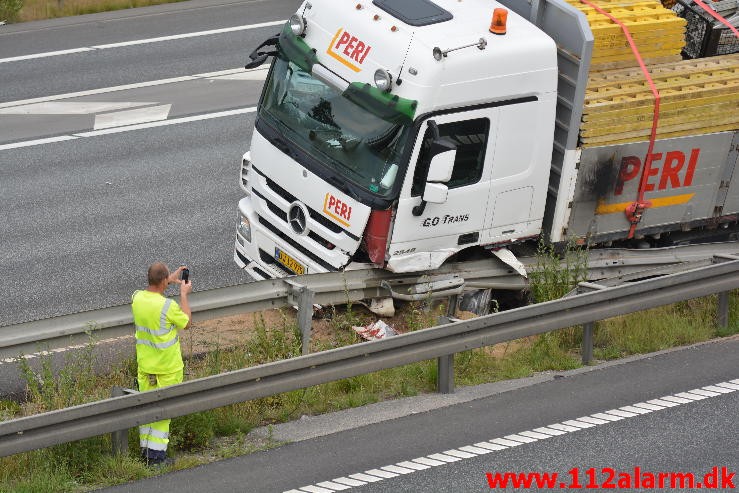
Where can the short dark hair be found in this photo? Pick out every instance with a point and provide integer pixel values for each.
(158, 272)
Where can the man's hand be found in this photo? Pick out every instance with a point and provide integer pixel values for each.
(174, 277)
(185, 287)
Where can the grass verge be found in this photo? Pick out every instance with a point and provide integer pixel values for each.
(34, 10)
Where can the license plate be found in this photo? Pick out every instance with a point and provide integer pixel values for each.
(289, 262)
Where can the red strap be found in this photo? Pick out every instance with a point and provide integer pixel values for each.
(634, 211)
(717, 16)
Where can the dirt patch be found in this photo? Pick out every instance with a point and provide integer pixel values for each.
(329, 324)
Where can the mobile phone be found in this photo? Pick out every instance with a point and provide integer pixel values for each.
(185, 274)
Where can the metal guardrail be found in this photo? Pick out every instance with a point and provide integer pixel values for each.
(330, 288)
(128, 411)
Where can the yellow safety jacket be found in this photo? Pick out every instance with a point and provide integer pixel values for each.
(157, 320)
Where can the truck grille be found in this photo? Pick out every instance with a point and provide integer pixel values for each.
(296, 245)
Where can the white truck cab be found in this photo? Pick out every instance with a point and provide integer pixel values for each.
(396, 134)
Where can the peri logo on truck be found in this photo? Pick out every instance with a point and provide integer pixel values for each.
(348, 49)
(675, 171)
(337, 210)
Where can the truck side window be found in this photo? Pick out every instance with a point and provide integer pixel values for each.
(471, 137)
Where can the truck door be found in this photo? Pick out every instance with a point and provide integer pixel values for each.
(457, 221)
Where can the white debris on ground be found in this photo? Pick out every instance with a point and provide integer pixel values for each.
(375, 331)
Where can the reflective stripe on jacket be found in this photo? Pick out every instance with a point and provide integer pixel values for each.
(157, 320)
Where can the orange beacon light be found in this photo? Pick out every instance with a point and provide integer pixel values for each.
(498, 23)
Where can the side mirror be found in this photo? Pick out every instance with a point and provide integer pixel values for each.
(441, 166)
(435, 193)
(256, 61)
(256, 57)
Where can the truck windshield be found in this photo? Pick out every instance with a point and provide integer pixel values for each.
(355, 143)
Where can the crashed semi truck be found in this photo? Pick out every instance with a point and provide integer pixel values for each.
(400, 135)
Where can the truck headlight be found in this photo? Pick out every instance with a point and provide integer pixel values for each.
(383, 80)
(297, 24)
(244, 228)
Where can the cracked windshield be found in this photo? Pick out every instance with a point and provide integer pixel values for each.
(354, 142)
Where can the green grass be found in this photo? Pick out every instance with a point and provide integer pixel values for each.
(33, 10)
(221, 433)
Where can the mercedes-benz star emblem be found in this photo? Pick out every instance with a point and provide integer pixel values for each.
(297, 216)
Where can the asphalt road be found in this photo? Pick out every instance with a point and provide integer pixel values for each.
(95, 186)
(691, 437)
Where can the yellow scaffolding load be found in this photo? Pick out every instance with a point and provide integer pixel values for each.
(696, 96)
(658, 33)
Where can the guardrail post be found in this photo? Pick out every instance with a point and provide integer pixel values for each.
(587, 343)
(301, 296)
(445, 364)
(445, 374)
(119, 439)
(722, 315)
(588, 328)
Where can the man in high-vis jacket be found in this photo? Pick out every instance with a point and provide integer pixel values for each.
(158, 321)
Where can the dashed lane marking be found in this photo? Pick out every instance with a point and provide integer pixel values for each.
(140, 42)
(50, 352)
(521, 438)
(129, 128)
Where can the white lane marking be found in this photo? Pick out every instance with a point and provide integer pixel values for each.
(505, 442)
(142, 41)
(490, 445)
(348, 481)
(607, 417)
(623, 414)
(255, 74)
(705, 392)
(519, 438)
(131, 117)
(691, 396)
(49, 352)
(69, 107)
(729, 385)
(36, 142)
(664, 403)
(444, 457)
(333, 486)
(315, 489)
(720, 390)
(459, 453)
(550, 431)
(44, 55)
(635, 410)
(578, 424)
(365, 477)
(648, 406)
(165, 123)
(429, 462)
(381, 474)
(475, 450)
(470, 451)
(96, 133)
(415, 465)
(534, 434)
(593, 420)
(397, 469)
(563, 427)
